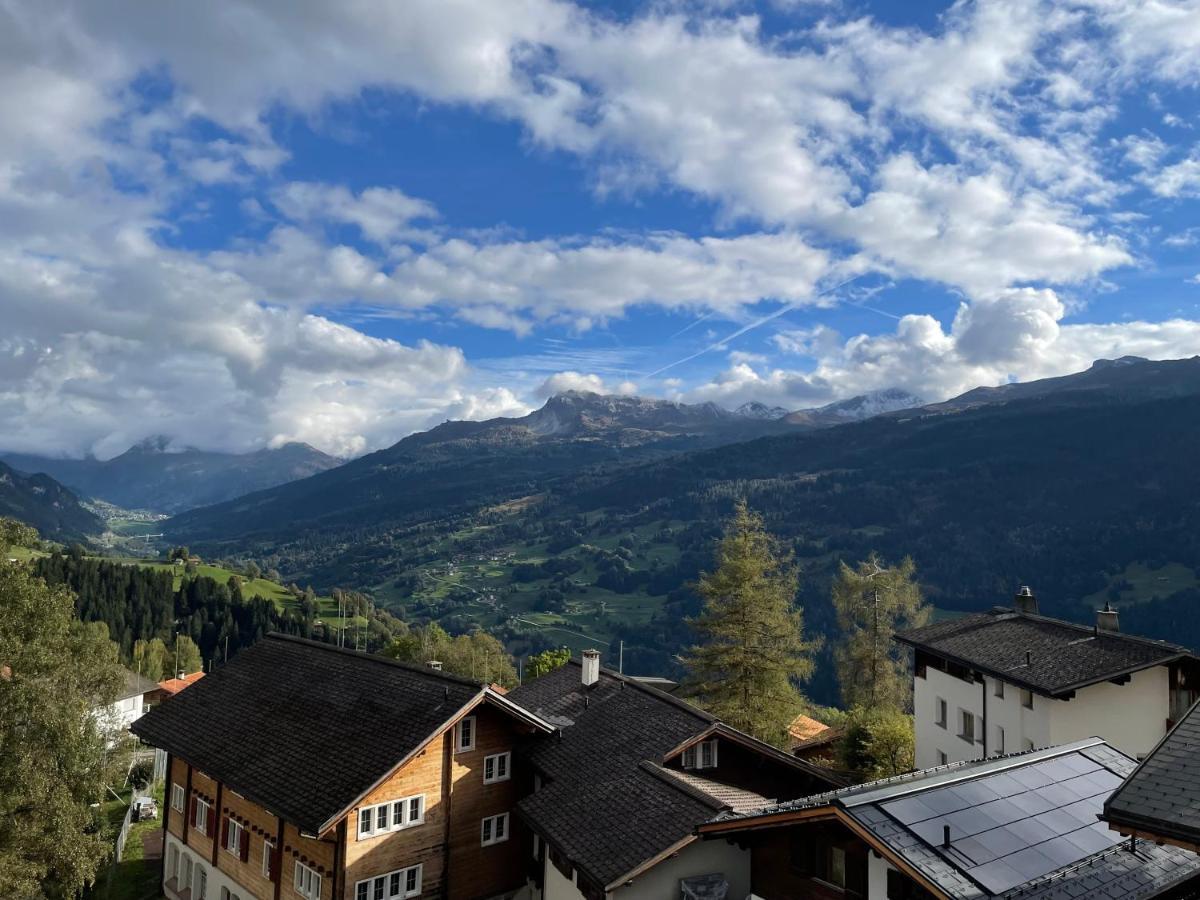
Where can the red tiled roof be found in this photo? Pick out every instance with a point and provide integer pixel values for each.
(173, 686)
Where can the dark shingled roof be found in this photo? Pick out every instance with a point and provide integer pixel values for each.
(1162, 796)
(1062, 656)
(303, 728)
(905, 816)
(608, 804)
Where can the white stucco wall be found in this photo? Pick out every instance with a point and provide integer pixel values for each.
(216, 878)
(877, 869)
(1132, 716)
(662, 881)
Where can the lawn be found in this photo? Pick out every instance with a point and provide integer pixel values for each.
(134, 877)
(1140, 583)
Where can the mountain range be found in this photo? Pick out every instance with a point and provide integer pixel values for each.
(152, 475)
(42, 502)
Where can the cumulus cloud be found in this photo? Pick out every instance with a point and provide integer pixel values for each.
(561, 382)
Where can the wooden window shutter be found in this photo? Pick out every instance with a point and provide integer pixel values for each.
(276, 863)
(212, 820)
(244, 845)
(192, 812)
(225, 832)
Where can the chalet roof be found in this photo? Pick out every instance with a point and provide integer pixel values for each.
(1161, 798)
(608, 803)
(1023, 826)
(306, 729)
(1047, 656)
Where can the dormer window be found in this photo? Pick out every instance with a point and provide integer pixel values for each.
(701, 756)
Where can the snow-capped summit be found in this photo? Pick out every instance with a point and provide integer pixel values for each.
(760, 411)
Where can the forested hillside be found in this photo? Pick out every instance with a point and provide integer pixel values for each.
(42, 502)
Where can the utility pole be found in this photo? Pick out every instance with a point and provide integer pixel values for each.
(621, 657)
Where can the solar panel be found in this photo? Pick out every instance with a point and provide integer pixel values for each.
(1015, 826)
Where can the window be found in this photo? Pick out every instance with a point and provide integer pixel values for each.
(1028, 744)
(464, 735)
(268, 857)
(941, 713)
(942, 759)
(178, 798)
(837, 867)
(1027, 699)
(496, 768)
(201, 889)
(200, 822)
(393, 885)
(308, 882)
(966, 728)
(999, 691)
(701, 756)
(234, 835)
(999, 741)
(173, 863)
(493, 830)
(391, 816)
(227, 894)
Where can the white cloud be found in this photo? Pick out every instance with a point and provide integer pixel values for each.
(561, 382)
(382, 215)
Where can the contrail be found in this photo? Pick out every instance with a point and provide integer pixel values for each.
(755, 324)
(691, 325)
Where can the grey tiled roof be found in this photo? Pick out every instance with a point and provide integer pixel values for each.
(1162, 796)
(1110, 869)
(304, 728)
(1048, 656)
(135, 685)
(608, 804)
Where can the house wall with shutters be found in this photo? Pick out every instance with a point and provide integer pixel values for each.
(246, 867)
(178, 774)
(203, 788)
(318, 855)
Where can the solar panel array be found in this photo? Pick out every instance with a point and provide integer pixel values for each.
(1017, 825)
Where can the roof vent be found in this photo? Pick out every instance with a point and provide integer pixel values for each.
(591, 667)
(1107, 619)
(435, 664)
(1025, 602)
(946, 837)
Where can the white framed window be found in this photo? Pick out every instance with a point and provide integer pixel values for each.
(307, 882)
(999, 692)
(268, 855)
(999, 740)
(178, 797)
(391, 816)
(493, 830)
(1027, 698)
(173, 863)
(392, 886)
(233, 837)
(201, 821)
(701, 756)
(464, 735)
(200, 892)
(497, 767)
(941, 712)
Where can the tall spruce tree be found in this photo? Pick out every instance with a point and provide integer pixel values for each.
(53, 673)
(752, 654)
(873, 602)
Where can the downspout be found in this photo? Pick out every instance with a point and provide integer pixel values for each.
(983, 686)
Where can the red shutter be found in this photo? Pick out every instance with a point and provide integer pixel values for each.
(275, 863)
(225, 831)
(212, 820)
(192, 813)
(244, 848)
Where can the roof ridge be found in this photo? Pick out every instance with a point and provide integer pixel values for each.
(435, 674)
(677, 702)
(662, 773)
(1093, 631)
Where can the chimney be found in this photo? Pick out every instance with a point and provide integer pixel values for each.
(591, 667)
(1025, 601)
(435, 664)
(946, 837)
(1106, 619)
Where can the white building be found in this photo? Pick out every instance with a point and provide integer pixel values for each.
(129, 706)
(1011, 680)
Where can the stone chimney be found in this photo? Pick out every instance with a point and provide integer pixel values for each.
(1025, 601)
(1107, 620)
(435, 664)
(591, 667)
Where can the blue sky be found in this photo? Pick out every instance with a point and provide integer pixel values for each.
(249, 223)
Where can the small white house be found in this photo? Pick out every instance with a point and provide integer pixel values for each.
(129, 706)
(1011, 680)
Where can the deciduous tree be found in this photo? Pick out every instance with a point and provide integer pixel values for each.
(546, 661)
(878, 743)
(753, 653)
(477, 655)
(873, 602)
(53, 675)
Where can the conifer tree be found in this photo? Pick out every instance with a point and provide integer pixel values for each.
(873, 602)
(752, 652)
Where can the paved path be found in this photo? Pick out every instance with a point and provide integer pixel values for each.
(152, 844)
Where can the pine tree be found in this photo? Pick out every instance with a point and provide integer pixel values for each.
(873, 602)
(753, 651)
